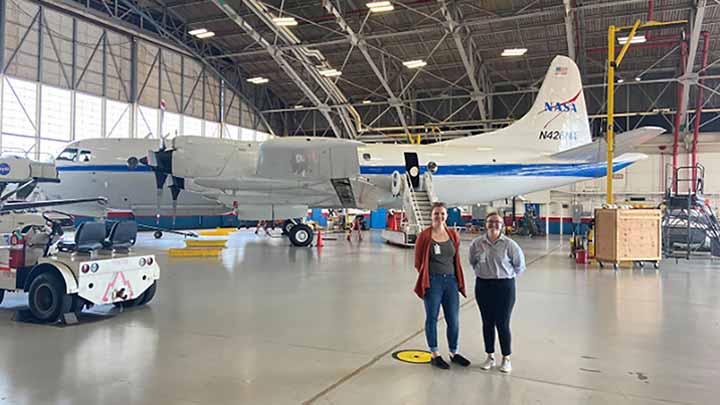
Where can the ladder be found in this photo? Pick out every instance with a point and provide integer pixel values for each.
(417, 204)
(689, 224)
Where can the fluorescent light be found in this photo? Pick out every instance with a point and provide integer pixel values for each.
(366, 102)
(620, 80)
(414, 64)
(637, 39)
(380, 6)
(258, 80)
(285, 21)
(299, 106)
(514, 52)
(198, 31)
(637, 79)
(206, 35)
(330, 72)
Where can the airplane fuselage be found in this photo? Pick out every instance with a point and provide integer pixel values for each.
(462, 175)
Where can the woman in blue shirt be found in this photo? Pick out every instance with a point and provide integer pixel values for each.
(496, 260)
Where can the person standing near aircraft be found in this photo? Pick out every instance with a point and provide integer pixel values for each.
(497, 260)
(440, 278)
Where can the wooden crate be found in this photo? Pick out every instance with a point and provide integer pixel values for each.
(628, 235)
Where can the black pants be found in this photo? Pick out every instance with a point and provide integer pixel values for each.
(496, 298)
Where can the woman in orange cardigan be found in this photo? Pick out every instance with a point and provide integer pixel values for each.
(440, 277)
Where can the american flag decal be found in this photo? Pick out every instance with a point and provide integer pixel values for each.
(561, 71)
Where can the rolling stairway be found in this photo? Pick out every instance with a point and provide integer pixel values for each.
(690, 228)
(417, 205)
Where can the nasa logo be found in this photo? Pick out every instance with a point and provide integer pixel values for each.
(4, 169)
(560, 107)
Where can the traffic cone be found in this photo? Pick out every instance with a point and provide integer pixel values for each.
(319, 239)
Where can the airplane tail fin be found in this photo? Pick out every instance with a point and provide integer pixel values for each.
(557, 121)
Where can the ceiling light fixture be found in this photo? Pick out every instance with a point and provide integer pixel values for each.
(414, 64)
(258, 80)
(285, 21)
(514, 52)
(198, 31)
(637, 39)
(637, 79)
(380, 6)
(204, 35)
(330, 72)
(299, 106)
(366, 102)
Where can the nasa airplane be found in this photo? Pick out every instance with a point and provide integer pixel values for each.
(280, 178)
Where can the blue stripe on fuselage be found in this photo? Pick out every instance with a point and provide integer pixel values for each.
(595, 169)
(103, 168)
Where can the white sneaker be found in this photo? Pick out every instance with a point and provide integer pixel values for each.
(488, 363)
(506, 366)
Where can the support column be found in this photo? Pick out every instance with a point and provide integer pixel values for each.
(103, 113)
(3, 16)
(133, 87)
(73, 81)
(39, 78)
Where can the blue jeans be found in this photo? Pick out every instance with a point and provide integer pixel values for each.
(443, 291)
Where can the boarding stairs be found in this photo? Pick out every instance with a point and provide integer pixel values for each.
(417, 205)
(690, 227)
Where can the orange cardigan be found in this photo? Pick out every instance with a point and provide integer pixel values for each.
(422, 261)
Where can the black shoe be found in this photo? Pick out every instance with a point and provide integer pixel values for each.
(459, 359)
(439, 363)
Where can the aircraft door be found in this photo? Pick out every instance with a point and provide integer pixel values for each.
(412, 166)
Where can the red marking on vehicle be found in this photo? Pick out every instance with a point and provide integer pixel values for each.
(111, 284)
(5, 268)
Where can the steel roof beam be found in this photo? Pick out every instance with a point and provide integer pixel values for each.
(281, 59)
(476, 71)
(361, 44)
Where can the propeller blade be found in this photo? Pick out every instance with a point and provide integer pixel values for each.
(178, 184)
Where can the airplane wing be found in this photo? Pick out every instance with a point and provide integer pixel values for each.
(597, 150)
(24, 205)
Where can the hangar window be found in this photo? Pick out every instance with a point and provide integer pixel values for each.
(367, 156)
(68, 154)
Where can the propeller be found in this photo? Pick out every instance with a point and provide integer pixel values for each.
(160, 162)
(178, 184)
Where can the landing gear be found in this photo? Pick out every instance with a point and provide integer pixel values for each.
(287, 226)
(301, 235)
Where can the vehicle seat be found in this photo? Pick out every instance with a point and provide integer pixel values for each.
(88, 237)
(122, 235)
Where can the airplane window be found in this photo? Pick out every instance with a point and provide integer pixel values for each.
(367, 156)
(68, 154)
(85, 156)
(432, 166)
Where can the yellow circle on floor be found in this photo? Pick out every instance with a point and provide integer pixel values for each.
(413, 356)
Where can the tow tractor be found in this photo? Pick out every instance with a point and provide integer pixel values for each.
(63, 278)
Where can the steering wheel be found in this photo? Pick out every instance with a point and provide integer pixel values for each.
(56, 224)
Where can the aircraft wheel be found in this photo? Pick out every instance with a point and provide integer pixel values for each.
(47, 298)
(301, 235)
(158, 234)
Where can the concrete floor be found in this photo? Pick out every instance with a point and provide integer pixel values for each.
(271, 324)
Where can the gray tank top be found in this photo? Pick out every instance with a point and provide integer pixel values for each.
(442, 257)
